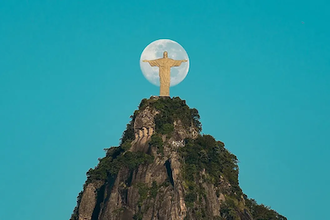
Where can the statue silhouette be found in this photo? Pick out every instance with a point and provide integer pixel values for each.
(165, 65)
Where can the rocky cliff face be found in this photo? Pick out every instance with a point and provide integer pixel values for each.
(164, 169)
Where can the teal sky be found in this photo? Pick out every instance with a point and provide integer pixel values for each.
(70, 78)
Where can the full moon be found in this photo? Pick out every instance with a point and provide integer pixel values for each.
(155, 51)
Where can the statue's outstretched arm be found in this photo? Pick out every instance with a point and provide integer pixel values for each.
(151, 62)
(178, 62)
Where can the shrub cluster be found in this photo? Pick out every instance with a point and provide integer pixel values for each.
(115, 159)
(206, 153)
(157, 142)
(261, 211)
(170, 110)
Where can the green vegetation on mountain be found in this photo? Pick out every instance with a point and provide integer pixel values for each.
(117, 158)
(157, 142)
(260, 212)
(170, 110)
(207, 158)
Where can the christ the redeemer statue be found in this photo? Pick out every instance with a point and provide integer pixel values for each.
(165, 65)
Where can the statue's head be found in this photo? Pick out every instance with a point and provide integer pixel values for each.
(165, 54)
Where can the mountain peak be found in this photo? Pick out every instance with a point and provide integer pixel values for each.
(164, 168)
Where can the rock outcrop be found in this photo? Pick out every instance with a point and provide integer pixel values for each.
(165, 169)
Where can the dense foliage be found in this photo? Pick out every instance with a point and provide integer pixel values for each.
(117, 158)
(157, 142)
(207, 154)
(128, 134)
(260, 212)
(207, 158)
(170, 110)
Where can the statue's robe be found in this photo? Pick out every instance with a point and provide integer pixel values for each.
(165, 65)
